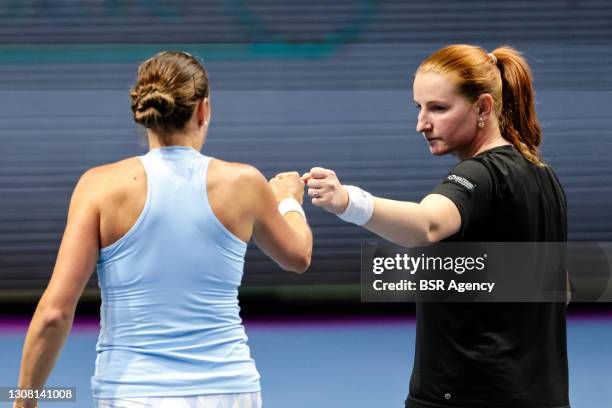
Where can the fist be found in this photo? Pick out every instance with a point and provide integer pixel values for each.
(288, 185)
(325, 190)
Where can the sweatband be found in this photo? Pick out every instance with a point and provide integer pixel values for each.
(290, 204)
(360, 206)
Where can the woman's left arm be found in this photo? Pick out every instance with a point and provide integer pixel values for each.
(54, 314)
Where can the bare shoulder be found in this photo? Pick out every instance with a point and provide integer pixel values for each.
(112, 178)
(240, 184)
(236, 174)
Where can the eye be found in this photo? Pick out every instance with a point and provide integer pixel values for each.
(438, 108)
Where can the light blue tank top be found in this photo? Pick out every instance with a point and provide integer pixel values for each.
(170, 323)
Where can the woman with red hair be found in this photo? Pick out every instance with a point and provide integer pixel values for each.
(479, 107)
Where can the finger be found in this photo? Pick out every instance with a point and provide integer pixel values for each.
(306, 177)
(320, 172)
(292, 177)
(317, 183)
(300, 181)
(326, 189)
(314, 192)
(317, 202)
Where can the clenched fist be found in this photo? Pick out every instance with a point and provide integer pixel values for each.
(288, 185)
(326, 190)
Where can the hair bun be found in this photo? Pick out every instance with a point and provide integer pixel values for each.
(169, 86)
(154, 102)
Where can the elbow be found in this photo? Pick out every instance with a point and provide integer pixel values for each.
(304, 262)
(422, 239)
(53, 318)
(303, 256)
(300, 262)
(429, 236)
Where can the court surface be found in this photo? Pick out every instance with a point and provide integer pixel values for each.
(350, 362)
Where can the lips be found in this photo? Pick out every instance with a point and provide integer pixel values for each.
(429, 138)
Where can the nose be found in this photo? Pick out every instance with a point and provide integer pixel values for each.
(423, 124)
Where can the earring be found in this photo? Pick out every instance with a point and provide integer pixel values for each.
(480, 123)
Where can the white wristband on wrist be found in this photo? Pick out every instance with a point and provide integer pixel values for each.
(290, 204)
(360, 206)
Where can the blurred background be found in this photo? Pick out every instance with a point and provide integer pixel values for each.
(294, 84)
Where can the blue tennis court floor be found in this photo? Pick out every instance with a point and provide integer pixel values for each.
(338, 363)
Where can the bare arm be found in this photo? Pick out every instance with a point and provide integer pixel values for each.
(286, 239)
(54, 314)
(407, 223)
(404, 223)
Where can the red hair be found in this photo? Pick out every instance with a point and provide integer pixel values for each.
(505, 75)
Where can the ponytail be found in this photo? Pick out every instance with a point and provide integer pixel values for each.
(518, 120)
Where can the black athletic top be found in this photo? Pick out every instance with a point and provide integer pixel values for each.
(494, 355)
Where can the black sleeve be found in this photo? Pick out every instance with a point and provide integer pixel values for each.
(469, 186)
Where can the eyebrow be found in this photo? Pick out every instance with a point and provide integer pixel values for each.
(430, 102)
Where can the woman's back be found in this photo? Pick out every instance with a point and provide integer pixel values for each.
(167, 232)
(169, 286)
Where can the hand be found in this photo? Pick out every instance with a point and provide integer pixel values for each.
(288, 185)
(326, 190)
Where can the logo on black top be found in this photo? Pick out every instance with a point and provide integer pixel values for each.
(462, 181)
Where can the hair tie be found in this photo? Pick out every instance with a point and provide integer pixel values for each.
(493, 58)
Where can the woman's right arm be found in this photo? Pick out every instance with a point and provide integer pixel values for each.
(287, 238)
(404, 223)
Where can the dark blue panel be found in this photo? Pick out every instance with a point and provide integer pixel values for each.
(293, 85)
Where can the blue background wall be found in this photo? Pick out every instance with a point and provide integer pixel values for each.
(294, 84)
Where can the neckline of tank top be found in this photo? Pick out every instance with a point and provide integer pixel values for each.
(173, 151)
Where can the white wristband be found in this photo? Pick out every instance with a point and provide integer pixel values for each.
(360, 206)
(290, 204)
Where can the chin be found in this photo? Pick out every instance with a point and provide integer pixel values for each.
(438, 152)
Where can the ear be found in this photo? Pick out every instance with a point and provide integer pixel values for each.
(203, 111)
(484, 106)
